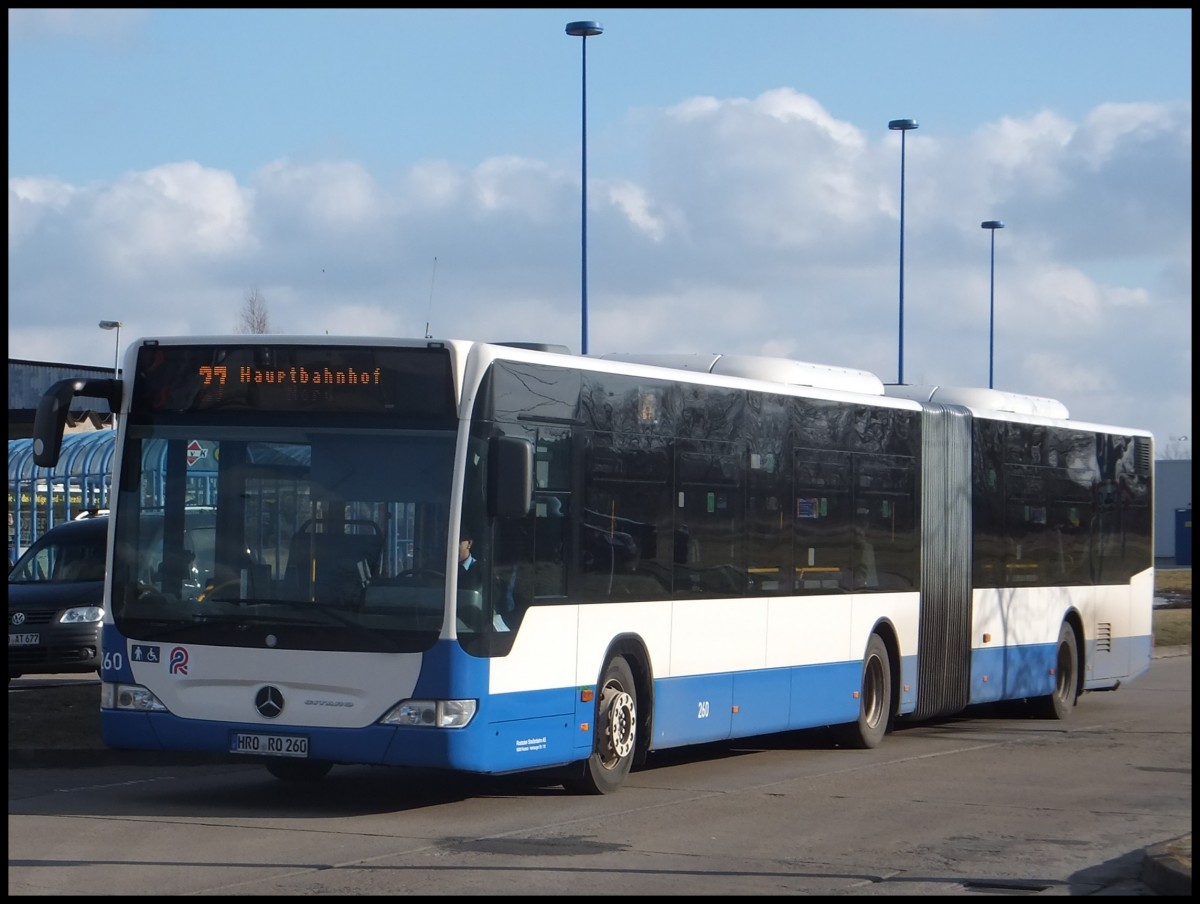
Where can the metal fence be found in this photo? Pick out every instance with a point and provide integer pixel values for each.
(39, 498)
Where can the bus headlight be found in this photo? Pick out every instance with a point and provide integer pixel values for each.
(131, 697)
(431, 713)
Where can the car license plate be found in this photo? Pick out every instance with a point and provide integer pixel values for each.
(23, 640)
(269, 744)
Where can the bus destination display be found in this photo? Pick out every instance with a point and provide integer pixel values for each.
(174, 378)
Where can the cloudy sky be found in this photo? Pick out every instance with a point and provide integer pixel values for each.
(404, 172)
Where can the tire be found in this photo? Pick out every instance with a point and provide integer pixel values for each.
(615, 732)
(299, 770)
(1061, 703)
(874, 702)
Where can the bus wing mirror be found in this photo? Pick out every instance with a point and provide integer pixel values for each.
(54, 407)
(510, 477)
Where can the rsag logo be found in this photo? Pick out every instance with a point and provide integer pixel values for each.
(178, 661)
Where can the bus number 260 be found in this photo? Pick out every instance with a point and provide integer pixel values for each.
(702, 710)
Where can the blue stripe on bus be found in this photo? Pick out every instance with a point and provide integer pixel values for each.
(687, 710)
(701, 708)
(1013, 673)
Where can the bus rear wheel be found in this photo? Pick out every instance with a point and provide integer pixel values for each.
(1061, 703)
(615, 733)
(299, 770)
(875, 700)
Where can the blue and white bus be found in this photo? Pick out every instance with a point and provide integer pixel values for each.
(669, 551)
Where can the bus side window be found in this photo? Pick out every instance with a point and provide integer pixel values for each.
(512, 587)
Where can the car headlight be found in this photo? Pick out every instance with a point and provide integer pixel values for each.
(81, 615)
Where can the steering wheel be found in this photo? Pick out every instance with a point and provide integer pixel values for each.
(148, 593)
(414, 573)
(210, 592)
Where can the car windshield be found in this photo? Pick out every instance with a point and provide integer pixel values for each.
(62, 558)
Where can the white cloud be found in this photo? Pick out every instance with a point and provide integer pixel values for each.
(339, 197)
(1111, 129)
(30, 201)
(166, 218)
(433, 184)
(516, 187)
(632, 199)
(758, 226)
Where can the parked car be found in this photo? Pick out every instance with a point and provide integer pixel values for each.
(56, 600)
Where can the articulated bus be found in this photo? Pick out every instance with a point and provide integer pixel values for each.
(667, 551)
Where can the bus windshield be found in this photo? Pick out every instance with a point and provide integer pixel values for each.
(284, 536)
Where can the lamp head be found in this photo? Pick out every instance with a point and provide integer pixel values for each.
(584, 29)
(991, 224)
(902, 125)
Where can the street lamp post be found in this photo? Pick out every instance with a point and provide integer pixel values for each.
(992, 226)
(584, 30)
(114, 325)
(902, 126)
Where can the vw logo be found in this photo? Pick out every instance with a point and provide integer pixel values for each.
(269, 701)
(18, 618)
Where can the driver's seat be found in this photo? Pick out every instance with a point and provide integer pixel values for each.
(333, 567)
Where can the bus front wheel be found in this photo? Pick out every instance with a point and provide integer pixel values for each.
(615, 733)
(874, 702)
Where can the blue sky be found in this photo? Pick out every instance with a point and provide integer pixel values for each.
(743, 186)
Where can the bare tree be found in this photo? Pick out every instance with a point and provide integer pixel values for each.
(254, 314)
(1175, 449)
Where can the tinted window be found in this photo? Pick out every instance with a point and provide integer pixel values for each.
(65, 555)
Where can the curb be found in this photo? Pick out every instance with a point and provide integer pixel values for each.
(1167, 867)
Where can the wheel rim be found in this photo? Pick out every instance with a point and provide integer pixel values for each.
(620, 718)
(873, 691)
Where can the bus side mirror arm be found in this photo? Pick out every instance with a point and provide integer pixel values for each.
(510, 477)
(54, 407)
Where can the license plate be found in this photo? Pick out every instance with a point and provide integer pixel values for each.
(269, 744)
(23, 640)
